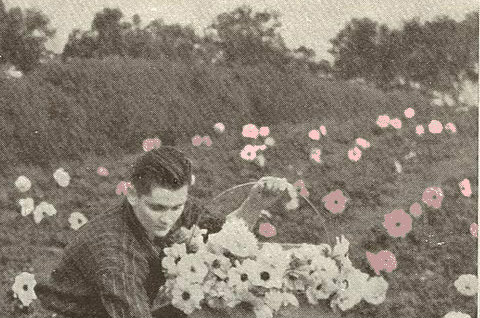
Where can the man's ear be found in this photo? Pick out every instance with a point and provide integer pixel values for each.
(132, 196)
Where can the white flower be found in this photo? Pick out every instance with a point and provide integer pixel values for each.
(320, 289)
(273, 254)
(341, 247)
(324, 268)
(43, 209)
(23, 184)
(192, 268)
(219, 128)
(376, 290)
(352, 289)
(173, 255)
(240, 276)
(467, 284)
(274, 299)
(23, 288)
(262, 311)
(219, 294)
(456, 314)
(186, 296)
(292, 204)
(26, 205)
(77, 220)
(306, 253)
(218, 264)
(62, 177)
(269, 141)
(268, 276)
(260, 160)
(235, 237)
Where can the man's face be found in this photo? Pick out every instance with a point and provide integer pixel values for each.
(159, 210)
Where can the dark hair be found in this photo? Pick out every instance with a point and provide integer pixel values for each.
(165, 167)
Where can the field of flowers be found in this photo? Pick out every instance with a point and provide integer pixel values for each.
(387, 170)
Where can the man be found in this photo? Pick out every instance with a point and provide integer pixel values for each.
(112, 268)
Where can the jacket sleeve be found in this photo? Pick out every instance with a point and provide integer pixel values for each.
(119, 272)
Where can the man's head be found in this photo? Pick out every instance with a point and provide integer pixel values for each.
(160, 179)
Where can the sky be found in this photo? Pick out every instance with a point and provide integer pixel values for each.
(305, 22)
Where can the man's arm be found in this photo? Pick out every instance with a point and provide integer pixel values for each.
(119, 272)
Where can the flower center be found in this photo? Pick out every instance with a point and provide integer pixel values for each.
(185, 296)
(192, 269)
(398, 224)
(216, 264)
(177, 260)
(25, 287)
(265, 276)
(319, 286)
(244, 277)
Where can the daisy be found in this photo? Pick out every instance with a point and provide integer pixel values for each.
(465, 188)
(27, 206)
(276, 299)
(23, 288)
(451, 128)
(383, 121)
(467, 284)
(264, 131)
(269, 141)
(419, 130)
(335, 201)
(324, 267)
(250, 131)
(376, 290)
(267, 276)
(314, 134)
(396, 123)
(267, 230)
(102, 171)
(23, 184)
(274, 255)
(323, 130)
(219, 128)
(320, 289)
(409, 112)
(173, 255)
(77, 220)
(354, 154)
(362, 143)
(249, 152)
(240, 276)
(192, 268)
(398, 223)
(416, 209)
(186, 296)
(218, 265)
(306, 253)
(351, 292)
(435, 127)
(42, 210)
(456, 314)
(383, 260)
(197, 140)
(62, 177)
(219, 295)
(293, 204)
(151, 143)
(433, 197)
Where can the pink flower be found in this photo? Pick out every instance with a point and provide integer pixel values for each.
(335, 201)
(250, 131)
(267, 230)
(451, 128)
(420, 130)
(354, 154)
(314, 134)
(315, 155)
(207, 141)
(398, 223)
(219, 128)
(416, 209)
(122, 187)
(249, 152)
(433, 197)
(152, 143)
(383, 121)
(264, 131)
(465, 187)
(396, 123)
(323, 130)
(409, 112)
(383, 260)
(474, 229)
(362, 143)
(301, 186)
(197, 140)
(102, 171)
(435, 127)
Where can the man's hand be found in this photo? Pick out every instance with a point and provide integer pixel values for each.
(263, 195)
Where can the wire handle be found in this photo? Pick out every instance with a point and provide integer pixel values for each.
(306, 199)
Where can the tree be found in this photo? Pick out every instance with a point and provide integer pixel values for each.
(23, 35)
(109, 39)
(248, 38)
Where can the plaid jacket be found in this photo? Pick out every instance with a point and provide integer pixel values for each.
(112, 269)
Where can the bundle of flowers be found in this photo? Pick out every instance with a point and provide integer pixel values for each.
(233, 268)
